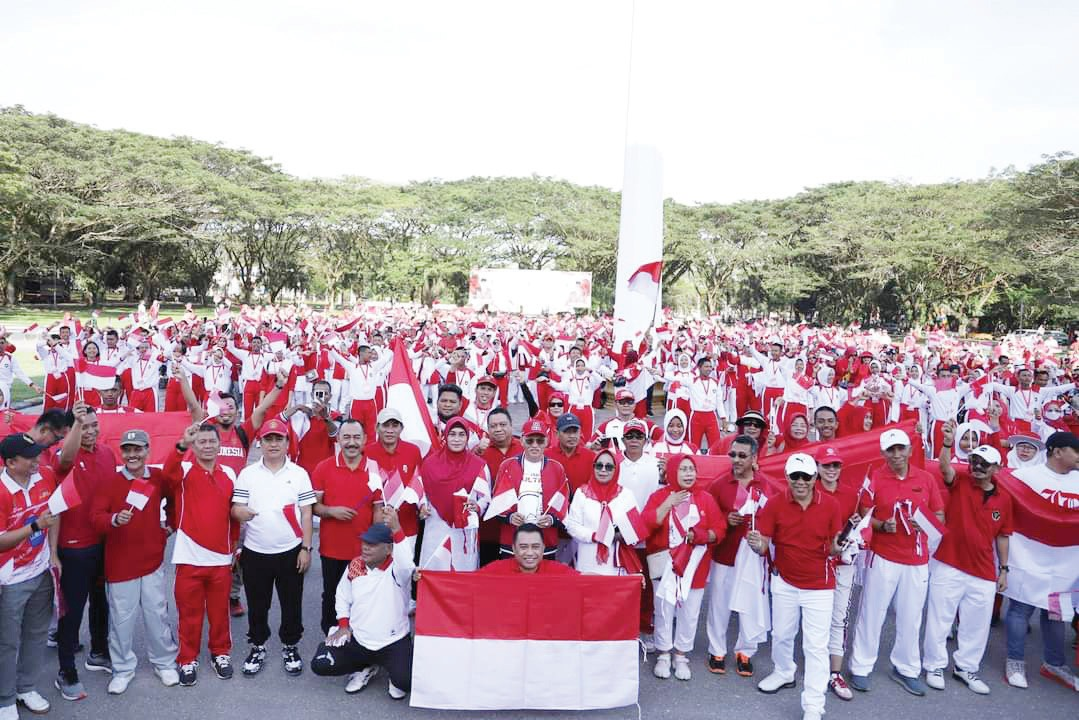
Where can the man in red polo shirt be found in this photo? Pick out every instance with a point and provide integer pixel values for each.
(499, 444)
(964, 575)
(731, 492)
(394, 455)
(348, 490)
(81, 554)
(576, 460)
(803, 524)
(528, 549)
(900, 566)
(134, 564)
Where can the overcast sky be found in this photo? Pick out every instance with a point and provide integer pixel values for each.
(745, 100)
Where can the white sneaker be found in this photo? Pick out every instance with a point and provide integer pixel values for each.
(395, 692)
(681, 667)
(358, 680)
(662, 670)
(33, 702)
(1015, 672)
(811, 715)
(118, 684)
(971, 680)
(935, 678)
(774, 683)
(1061, 674)
(9, 712)
(168, 676)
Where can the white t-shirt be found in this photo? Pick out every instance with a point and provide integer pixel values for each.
(530, 494)
(277, 498)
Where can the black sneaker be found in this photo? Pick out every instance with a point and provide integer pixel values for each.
(189, 674)
(291, 657)
(255, 660)
(717, 664)
(97, 662)
(222, 666)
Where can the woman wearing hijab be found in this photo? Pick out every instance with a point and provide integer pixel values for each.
(1027, 450)
(682, 519)
(604, 521)
(458, 488)
(675, 438)
(795, 434)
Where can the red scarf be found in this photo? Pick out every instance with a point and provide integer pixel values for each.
(445, 472)
(603, 493)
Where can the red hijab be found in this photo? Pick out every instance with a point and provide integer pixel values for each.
(445, 472)
(789, 441)
(603, 492)
(670, 475)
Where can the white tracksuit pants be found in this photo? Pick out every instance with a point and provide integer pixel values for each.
(720, 585)
(145, 597)
(885, 580)
(951, 589)
(844, 583)
(676, 626)
(814, 608)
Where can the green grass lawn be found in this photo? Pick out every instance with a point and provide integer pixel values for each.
(17, 317)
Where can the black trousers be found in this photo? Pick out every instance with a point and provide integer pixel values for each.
(82, 577)
(332, 571)
(352, 657)
(262, 573)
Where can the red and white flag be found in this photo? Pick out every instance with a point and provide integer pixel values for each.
(139, 493)
(91, 376)
(933, 528)
(403, 394)
(442, 556)
(504, 496)
(645, 279)
(277, 341)
(65, 497)
(1043, 551)
(559, 504)
(499, 628)
(31, 328)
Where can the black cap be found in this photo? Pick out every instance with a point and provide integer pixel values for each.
(19, 445)
(1062, 439)
(567, 420)
(378, 533)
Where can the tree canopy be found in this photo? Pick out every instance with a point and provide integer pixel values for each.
(115, 209)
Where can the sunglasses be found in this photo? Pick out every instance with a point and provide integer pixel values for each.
(737, 455)
(604, 467)
(535, 440)
(633, 436)
(627, 402)
(555, 405)
(757, 425)
(800, 477)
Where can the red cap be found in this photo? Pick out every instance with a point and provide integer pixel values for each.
(623, 394)
(273, 427)
(533, 427)
(828, 455)
(635, 424)
(486, 380)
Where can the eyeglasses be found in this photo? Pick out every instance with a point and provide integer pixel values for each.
(535, 440)
(737, 455)
(800, 477)
(604, 467)
(627, 402)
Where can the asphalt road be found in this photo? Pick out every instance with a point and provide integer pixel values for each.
(273, 694)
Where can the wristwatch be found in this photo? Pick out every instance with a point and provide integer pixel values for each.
(305, 547)
(1004, 568)
(34, 527)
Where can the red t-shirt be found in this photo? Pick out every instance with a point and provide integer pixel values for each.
(724, 490)
(405, 460)
(92, 471)
(340, 539)
(232, 453)
(846, 495)
(890, 499)
(802, 538)
(578, 466)
(138, 548)
(509, 566)
(975, 519)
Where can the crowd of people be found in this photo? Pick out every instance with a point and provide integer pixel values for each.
(562, 492)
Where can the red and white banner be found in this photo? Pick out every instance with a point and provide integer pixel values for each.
(1043, 552)
(510, 642)
(403, 394)
(164, 428)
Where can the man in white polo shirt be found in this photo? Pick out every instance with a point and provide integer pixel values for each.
(274, 497)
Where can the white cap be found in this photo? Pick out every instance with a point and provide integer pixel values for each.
(988, 453)
(774, 340)
(800, 462)
(888, 438)
(388, 413)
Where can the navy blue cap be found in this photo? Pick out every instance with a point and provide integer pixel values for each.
(378, 533)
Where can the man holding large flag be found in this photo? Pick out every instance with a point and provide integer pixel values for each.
(1044, 555)
(27, 552)
(127, 511)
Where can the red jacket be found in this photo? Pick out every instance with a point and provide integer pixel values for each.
(203, 503)
(553, 478)
(138, 548)
(659, 530)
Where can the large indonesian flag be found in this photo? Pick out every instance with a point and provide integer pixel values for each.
(1043, 552)
(509, 642)
(403, 394)
(164, 428)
